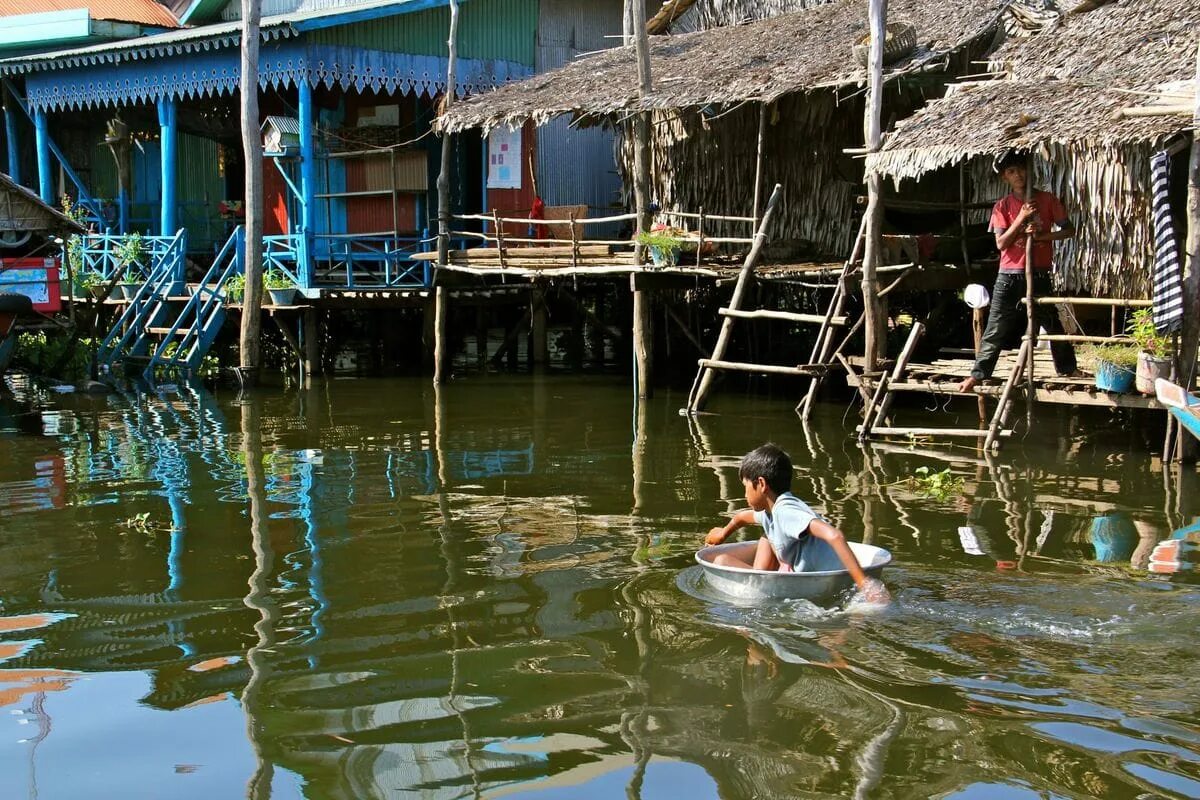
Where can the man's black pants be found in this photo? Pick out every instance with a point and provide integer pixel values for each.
(1006, 323)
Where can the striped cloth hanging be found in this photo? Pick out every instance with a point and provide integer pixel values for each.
(1168, 281)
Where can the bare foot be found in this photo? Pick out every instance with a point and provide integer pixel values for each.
(967, 385)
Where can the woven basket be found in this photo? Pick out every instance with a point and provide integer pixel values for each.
(900, 41)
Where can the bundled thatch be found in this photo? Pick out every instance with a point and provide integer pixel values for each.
(686, 16)
(1062, 95)
(760, 61)
(23, 211)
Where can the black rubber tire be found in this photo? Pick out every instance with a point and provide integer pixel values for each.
(15, 303)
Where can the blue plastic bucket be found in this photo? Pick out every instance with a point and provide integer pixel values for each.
(1112, 378)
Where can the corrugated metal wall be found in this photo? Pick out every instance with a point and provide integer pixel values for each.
(488, 29)
(576, 165)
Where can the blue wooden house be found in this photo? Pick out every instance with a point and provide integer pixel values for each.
(144, 134)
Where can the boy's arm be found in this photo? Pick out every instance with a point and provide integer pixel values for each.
(872, 589)
(740, 520)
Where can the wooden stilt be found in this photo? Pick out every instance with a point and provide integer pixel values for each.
(643, 340)
(538, 350)
(312, 347)
(440, 354)
(1001, 414)
(824, 342)
(881, 405)
(481, 335)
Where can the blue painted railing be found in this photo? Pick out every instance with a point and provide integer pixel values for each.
(99, 253)
(195, 329)
(128, 335)
(351, 261)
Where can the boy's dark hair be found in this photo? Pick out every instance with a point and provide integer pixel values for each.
(1011, 159)
(768, 462)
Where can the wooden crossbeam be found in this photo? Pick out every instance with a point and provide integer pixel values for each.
(767, 369)
(784, 316)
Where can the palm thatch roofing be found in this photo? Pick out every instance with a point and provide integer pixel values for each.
(760, 61)
(21, 210)
(1066, 86)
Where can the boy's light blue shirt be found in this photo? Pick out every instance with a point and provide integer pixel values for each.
(786, 528)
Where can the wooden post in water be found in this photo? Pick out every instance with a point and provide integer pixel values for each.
(538, 350)
(875, 327)
(443, 187)
(643, 321)
(1190, 341)
(251, 326)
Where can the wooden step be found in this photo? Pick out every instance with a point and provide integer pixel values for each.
(786, 316)
(167, 331)
(967, 433)
(768, 369)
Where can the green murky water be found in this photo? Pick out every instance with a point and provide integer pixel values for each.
(363, 590)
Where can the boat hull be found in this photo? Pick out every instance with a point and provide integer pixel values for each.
(750, 584)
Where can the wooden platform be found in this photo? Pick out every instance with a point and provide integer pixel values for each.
(943, 376)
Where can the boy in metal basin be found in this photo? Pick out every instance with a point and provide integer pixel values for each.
(1022, 212)
(795, 538)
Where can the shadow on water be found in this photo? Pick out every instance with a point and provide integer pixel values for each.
(377, 589)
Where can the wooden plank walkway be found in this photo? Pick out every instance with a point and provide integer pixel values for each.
(942, 376)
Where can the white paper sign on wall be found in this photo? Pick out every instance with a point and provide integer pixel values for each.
(504, 159)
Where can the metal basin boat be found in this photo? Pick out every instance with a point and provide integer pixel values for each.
(753, 584)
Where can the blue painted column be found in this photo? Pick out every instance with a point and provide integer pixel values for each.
(41, 130)
(168, 163)
(10, 135)
(308, 183)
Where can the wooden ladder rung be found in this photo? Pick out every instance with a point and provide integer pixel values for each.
(167, 331)
(968, 433)
(770, 369)
(786, 316)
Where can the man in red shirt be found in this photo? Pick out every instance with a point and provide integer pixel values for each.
(1023, 211)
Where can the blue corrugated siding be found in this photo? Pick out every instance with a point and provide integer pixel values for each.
(576, 165)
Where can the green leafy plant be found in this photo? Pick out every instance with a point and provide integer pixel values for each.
(276, 279)
(1147, 338)
(941, 485)
(86, 281)
(131, 250)
(235, 287)
(1123, 356)
(39, 353)
(665, 240)
(131, 275)
(74, 248)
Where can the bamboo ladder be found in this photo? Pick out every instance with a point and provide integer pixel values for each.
(890, 384)
(734, 312)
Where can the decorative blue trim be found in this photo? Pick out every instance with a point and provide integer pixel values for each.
(280, 65)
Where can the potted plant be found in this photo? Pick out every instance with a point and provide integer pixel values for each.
(1115, 365)
(130, 252)
(280, 286)
(92, 283)
(1154, 350)
(131, 280)
(664, 244)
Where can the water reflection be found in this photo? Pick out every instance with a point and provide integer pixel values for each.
(375, 589)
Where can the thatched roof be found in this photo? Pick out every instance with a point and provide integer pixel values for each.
(1066, 86)
(759, 61)
(21, 210)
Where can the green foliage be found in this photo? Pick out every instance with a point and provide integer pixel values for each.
(235, 288)
(1124, 356)
(664, 240)
(74, 248)
(935, 485)
(276, 279)
(1147, 338)
(131, 250)
(210, 365)
(86, 281)
(131, 275)
(40, 353)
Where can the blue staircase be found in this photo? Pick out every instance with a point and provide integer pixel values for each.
(129, 336)
(185, 342)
